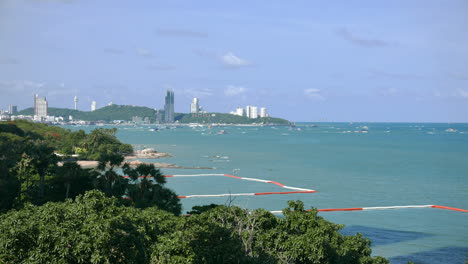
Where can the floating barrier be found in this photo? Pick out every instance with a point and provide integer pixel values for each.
(384, 208)
(295, 189)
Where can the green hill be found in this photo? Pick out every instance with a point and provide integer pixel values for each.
(227, 119)
(126, 112)
(108, 113)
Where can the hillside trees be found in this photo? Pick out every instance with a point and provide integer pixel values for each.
(98, 229)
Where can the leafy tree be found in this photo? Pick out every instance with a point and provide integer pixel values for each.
(11, 147)
(109, 181)
(72, 180)
(93, 229)
(147, 189)
(97, 229)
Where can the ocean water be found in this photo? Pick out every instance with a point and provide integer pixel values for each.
(392, 164)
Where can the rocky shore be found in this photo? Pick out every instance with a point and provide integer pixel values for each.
(134, 161)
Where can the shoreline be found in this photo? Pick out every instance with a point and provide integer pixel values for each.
(91, 164)
(133, 161)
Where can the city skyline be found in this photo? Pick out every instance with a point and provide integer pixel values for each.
(392, 62)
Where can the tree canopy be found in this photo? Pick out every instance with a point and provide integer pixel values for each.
(97, 229)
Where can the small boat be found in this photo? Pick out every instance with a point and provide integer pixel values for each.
(221, 132)
(450, 130)
(364, 129)
(154, 129)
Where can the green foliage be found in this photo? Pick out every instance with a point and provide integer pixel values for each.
(28, 165)
(147, 189)
(93, 229)
(198, 209)
(97, 229)
(107, 113)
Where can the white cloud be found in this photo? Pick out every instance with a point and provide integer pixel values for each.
(314, 93)
(462, 92)
(231, 60)
(233, 90)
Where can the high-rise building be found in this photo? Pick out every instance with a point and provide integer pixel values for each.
(263, 112)
(93, 106)
(12, 109)
(248, 111)
(75, 100)
(254, 112)
(40, 107)
(194, 107)
(240, 111)
(169, 107)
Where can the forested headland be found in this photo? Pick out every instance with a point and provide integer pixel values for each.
(67, 214)
(127, 112)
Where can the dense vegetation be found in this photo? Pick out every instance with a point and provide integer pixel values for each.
(96, 229)
(30, 172)
(88, 146)
(126, 112)
(53, 214)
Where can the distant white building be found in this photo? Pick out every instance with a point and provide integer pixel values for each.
(40, 108)
(253, 112)
(240, 111)
(263, 112)
(248, 111)
(93, 106)
(194, 106)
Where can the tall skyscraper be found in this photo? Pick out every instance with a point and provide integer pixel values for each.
(93, 105)
(12, 109)
(169, 107)
(40, 107)
(248, 111)
(263, 112)
(194, 107)
(75, 99)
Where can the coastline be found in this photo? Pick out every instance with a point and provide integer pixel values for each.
(133, 161)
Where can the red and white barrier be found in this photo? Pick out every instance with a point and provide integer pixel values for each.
(296, 190)
(384, 208)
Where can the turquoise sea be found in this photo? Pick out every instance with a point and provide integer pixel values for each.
(392, 164)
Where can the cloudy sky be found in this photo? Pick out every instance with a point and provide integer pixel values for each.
(302, 60)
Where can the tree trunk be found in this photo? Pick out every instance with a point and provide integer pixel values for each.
(68, 191)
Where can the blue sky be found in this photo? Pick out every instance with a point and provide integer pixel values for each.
(302, 60)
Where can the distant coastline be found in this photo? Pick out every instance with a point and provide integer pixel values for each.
(117, 114)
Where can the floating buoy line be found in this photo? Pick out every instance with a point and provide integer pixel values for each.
(384, 208)
(295, 190)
